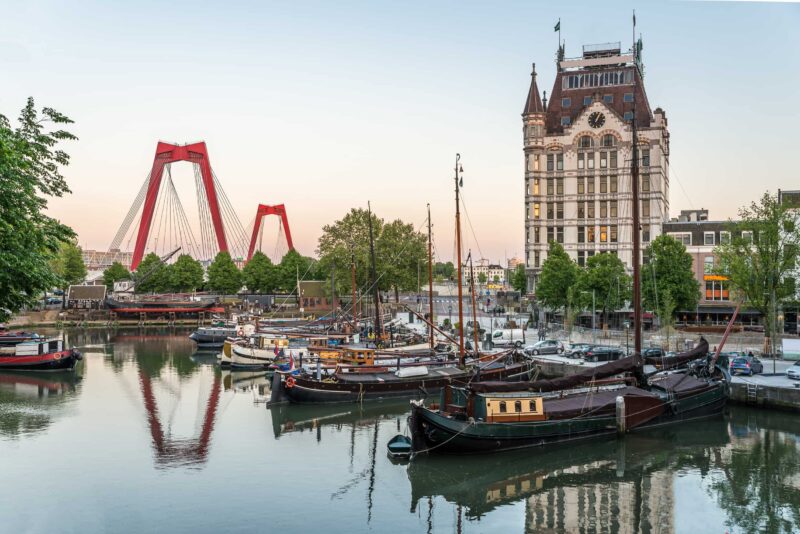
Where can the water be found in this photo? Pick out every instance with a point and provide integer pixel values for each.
(153, 438)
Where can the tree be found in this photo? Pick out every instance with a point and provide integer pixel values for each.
(260, 274)
(520, 279)
(605, 275)
(760, 265)
(30, 163)
(444, 270)
(152, 275)
(115, 273)
(559, 273)
(223, 275)
(496, 279)
(294, 266)
(69, 264)
(402, 252)
(669, 270)
(186, 274)
(482, 279)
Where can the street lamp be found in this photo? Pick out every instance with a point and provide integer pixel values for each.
(593, 314)
(627, 348)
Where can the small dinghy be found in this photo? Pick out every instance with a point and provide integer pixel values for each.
(399, 446)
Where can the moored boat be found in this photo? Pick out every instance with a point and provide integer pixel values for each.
(40, 354)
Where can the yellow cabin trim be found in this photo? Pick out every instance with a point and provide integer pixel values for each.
(511, 409)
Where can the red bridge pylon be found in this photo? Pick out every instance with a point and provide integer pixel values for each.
(264, 210)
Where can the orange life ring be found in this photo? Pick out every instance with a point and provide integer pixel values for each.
(57, 356)
(240, 332)
(290, 382)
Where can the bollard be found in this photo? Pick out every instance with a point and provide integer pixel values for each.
(621, 415)
(319, 369)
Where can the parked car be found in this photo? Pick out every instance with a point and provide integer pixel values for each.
(603, 354)
(748, 365)
(508, 337)
(579, 350)
(548, 346)
(53, 300)
(794, 371)
(654, 352)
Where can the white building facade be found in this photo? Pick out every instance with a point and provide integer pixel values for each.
(578, 159)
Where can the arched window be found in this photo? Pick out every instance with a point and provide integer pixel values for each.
(518, 406)
(609, 140)
(531, 406)
(502, 406)
(585, 142)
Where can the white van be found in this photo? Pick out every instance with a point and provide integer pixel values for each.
(510, 337)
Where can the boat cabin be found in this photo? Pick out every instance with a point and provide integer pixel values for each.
(269, 342)
(359, 356)
(494, 407)
(34, 348)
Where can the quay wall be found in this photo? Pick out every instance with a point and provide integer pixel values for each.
(767, 396)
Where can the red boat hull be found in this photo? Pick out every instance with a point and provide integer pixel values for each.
(51, 361)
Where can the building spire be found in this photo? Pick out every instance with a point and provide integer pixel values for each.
(533, 104)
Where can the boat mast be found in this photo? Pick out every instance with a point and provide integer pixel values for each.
(458, 179)
(373, 275)
(474, 308)
(637, 300)
(353, 282)
(430, 278)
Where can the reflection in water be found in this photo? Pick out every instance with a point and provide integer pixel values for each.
(299, 418)
(30, 402)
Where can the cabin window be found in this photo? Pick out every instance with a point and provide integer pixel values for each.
(518, 406)
(531, 406)
(502, 407)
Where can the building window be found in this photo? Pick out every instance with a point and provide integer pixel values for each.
(559, 210)
(604, 234)
(536, 210)
(590, 160)
(550, 234)
(527, 235)
(708, 264)
(717, 290)
(536, 234)
(603, 210)
(560, 186)
(535, 186)
(645, 158)
(645, 182)
(646, 234)
(612, 184)
(645, 208)
(565, 121)
(536, 259)
(724, 238)
(708, 239)
(685, 238)
(549, 186)
(559, 162)
(608, 99)
(613, 157)
(581, 160)
(613, 234)
(536, 162)
(550, 160)
(581, 234)
(603, 184)
(581, 258)
(590, 210)
(608, 140)
(566, 102)
(747, 235)
(550, 210)
(581, 210)
(560, 234)
(581, 185)
(585, 141)
(613, 209)
(627, 97)
(603, 160)
(587, 100)
(590, 185)
(628, 116)
(527, 187)
(590, 234)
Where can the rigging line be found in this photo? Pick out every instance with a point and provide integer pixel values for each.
(172, 196)
(680, 184)
(159, 213)
(185, 229)
(202, 213)
(469, 221)
(126, 222)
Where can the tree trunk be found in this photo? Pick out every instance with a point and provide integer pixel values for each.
(396, 294)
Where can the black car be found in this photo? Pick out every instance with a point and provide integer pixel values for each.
(579, 350)
(603, 354)
(654, 352)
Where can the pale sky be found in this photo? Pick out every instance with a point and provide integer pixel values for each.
(325, 105)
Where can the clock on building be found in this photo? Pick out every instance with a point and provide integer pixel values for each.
(597, 119)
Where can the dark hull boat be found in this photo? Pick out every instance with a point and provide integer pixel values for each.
(486, 417)
(164, 306)
(357, 387)
(213, 337)
(46, 355)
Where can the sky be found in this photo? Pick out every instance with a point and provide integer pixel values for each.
(324, 106)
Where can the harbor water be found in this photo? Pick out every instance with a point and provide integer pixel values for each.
(151, 436)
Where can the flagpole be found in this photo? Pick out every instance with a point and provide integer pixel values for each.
(559, 33)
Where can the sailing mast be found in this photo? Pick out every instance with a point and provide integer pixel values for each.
(353, 282)
(430, 278)
(474, 308)
(458, 181)
(377, 327)
(637, 300)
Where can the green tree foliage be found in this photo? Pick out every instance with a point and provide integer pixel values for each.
(186, 274)
(669, 270)
(605, 274)
(30, 164)
(69, 264)
(293, 265)
(520, 280)
(444, 271)
(764, 266)
(151, 275)
(399, 250)
(260, 274)
(115, 273)
(223, 275)
(482, 278)
(559, 273)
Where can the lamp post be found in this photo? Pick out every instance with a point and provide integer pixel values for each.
(627, 348)
(593, 313)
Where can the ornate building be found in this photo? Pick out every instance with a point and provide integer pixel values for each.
(577, 158)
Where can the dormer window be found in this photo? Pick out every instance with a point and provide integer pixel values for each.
(565, 121)
(566, 102)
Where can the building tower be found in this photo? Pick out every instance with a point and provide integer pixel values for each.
(577, 159)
